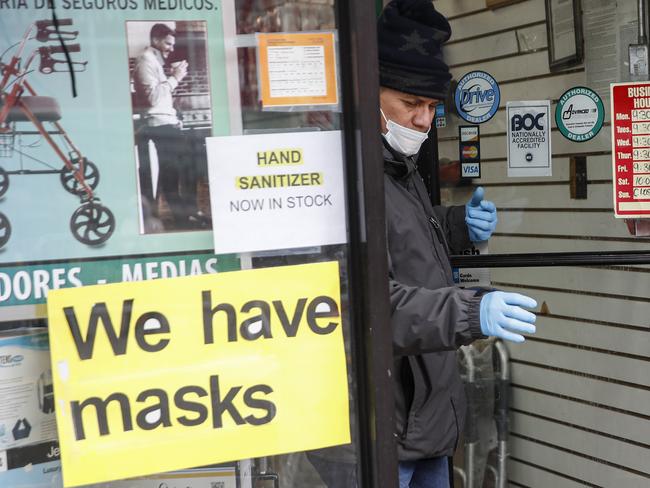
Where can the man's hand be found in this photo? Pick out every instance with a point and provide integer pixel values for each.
(480, 216)
(502, 315)
(179, 70)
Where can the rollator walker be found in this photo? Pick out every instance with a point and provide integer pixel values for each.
(477, 471)
(91, 223)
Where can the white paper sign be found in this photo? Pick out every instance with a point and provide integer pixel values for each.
(276, 191)
(529, 138)
(297, 71)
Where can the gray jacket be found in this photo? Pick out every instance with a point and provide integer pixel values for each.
(430, 316)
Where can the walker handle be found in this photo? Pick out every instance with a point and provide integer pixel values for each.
(72, 48)
(50, 23)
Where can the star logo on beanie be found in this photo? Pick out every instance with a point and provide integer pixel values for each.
(415, 42)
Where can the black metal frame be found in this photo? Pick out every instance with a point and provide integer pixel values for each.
(368, 270)
(603, 258)
(578, 56)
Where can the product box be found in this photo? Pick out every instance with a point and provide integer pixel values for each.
(38, 466)
(33, 466)
(26, 389)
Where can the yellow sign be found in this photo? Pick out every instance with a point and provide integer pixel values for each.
(297, 69)
(169, 374)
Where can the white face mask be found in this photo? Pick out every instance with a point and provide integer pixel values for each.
(402, 139)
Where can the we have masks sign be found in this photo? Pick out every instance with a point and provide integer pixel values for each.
(168, 374)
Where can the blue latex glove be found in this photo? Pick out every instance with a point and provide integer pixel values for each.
(502, 315)
(480, 216)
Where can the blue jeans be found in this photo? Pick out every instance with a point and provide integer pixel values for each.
(424, 473)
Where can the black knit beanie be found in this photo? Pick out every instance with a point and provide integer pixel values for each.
(410, 37)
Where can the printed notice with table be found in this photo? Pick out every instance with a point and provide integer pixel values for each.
(297, 69)
(631, 149)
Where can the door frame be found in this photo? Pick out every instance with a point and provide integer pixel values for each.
(372, 345)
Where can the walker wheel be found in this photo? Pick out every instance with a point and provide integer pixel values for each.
(90, 177)
(92, 224)
(4, 182)
(5, 229)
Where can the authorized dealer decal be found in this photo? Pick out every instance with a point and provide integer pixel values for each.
(579, 114)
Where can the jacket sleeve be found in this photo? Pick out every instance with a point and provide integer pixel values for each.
(151, 88)
(452, 220)
(425, 320)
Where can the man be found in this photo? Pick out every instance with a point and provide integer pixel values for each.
(430, 316)
(154, 98)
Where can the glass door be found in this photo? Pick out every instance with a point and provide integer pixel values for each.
(562, 154)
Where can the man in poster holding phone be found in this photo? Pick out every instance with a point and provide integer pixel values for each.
(154, 98)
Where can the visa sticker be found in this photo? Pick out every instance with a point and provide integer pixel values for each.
(470, 170)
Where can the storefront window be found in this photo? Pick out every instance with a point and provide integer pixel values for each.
(174, 239)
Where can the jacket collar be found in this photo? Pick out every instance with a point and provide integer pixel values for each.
(397, 164)
(156, 54)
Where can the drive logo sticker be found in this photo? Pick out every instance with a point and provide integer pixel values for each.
(172, 366)
(477, 97)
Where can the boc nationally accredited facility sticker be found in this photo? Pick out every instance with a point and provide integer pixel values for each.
(529, 138)
(579, 114)
(276, 191)
(477, 97)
